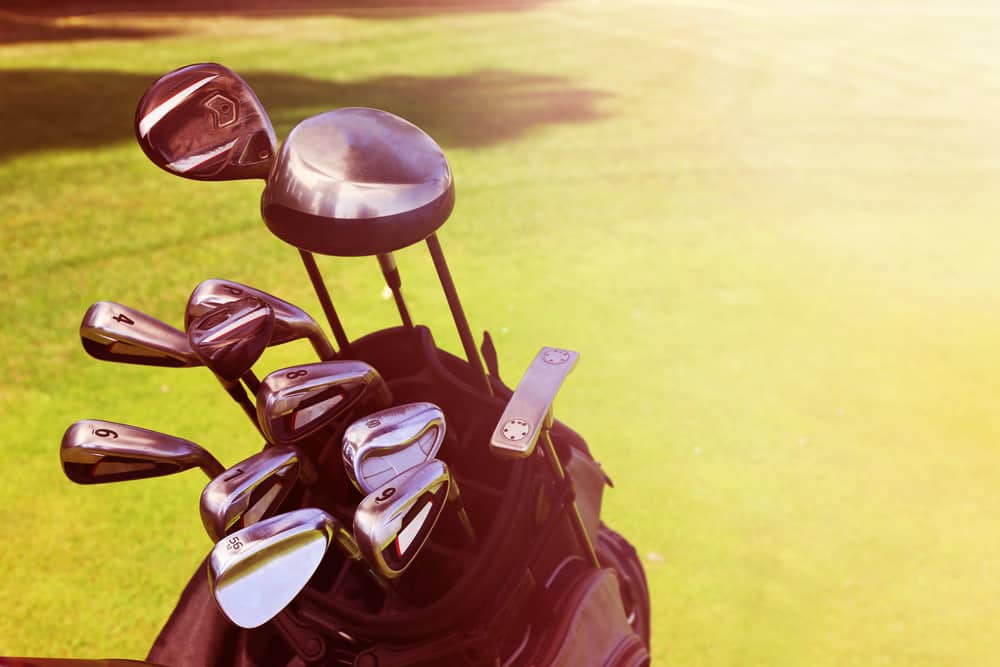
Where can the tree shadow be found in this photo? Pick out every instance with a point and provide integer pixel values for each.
(70, 109)
(34, 21)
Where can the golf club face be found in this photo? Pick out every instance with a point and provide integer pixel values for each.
(290, 321)
(249, 491)
(394, 521)
(94, 451)
(230, 338)
(357, 181)
(255, 572)
(113, 332)
(385, 444)
(295, 402)
(205, 123)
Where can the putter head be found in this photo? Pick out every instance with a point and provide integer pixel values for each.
(205, 123)
(385, 444)
(290, 321)
(230, 338)
(255, 572)
(295, 402)
(249, 491)
(113, 332)
(394, 521)
(357, 181)
(96, 452)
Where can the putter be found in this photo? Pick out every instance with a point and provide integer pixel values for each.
(97, 452)
(296, 402)
(393, 522)
(385, 444)
(250, 491)
(290, 321)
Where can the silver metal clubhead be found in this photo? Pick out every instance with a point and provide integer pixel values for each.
(290, 321)
(295, 402)
(205, 123)
(394, 521)
(94, 451)
(249, 491)
(113, 332)
(255, 572)
(357, 181)
(230, 338)
(385, 444)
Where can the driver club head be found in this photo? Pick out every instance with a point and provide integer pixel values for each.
(290, 321)
(393, 522)
(249, 491)
(113, 332)
(385, 444)
(255, 572)
(295, 402)
(357, 181)
(230, 338)
(94, 451)
(204, 122)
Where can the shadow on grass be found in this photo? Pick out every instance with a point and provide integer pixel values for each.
(56, 109)
(33, 21)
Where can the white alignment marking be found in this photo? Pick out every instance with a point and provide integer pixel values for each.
(193, 161)
(156, 115)
(407, 535)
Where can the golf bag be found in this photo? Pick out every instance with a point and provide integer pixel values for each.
(521, 592)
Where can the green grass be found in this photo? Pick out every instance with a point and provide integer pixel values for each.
(770, 232)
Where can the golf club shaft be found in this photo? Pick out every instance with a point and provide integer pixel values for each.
(464, 333)
(576, 519)
(391, 274)
(239, 394)
(324, 299)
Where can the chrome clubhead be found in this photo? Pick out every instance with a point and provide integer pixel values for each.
(385, 444)
(290, 321)
(113, 332)
(296, 402)
(255, 572)
(94, 451)
(249, 491)
(205, 123)
(230, 338)
(357, 181)
(394, 521)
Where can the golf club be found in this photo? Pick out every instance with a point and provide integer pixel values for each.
(94, 451)
(387, 443)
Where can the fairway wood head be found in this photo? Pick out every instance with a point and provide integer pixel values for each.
(394, 521)
(385, 444)
(113, 332)
(290, 321)
(357, 181)
(255, 572)
(205, 123)
(95, 452)
(230, 338)
(249, 491)
(295, 402)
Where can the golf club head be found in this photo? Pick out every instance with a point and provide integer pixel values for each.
(113, 332)
(295, 402)
(249, 491)
(290, 321)
(94, 451)
(230, 338)
(205, 123)
(357, 181)
(255, 572)
(385, 444)
(394, 521)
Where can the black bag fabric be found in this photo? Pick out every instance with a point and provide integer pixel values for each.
(523, 594)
